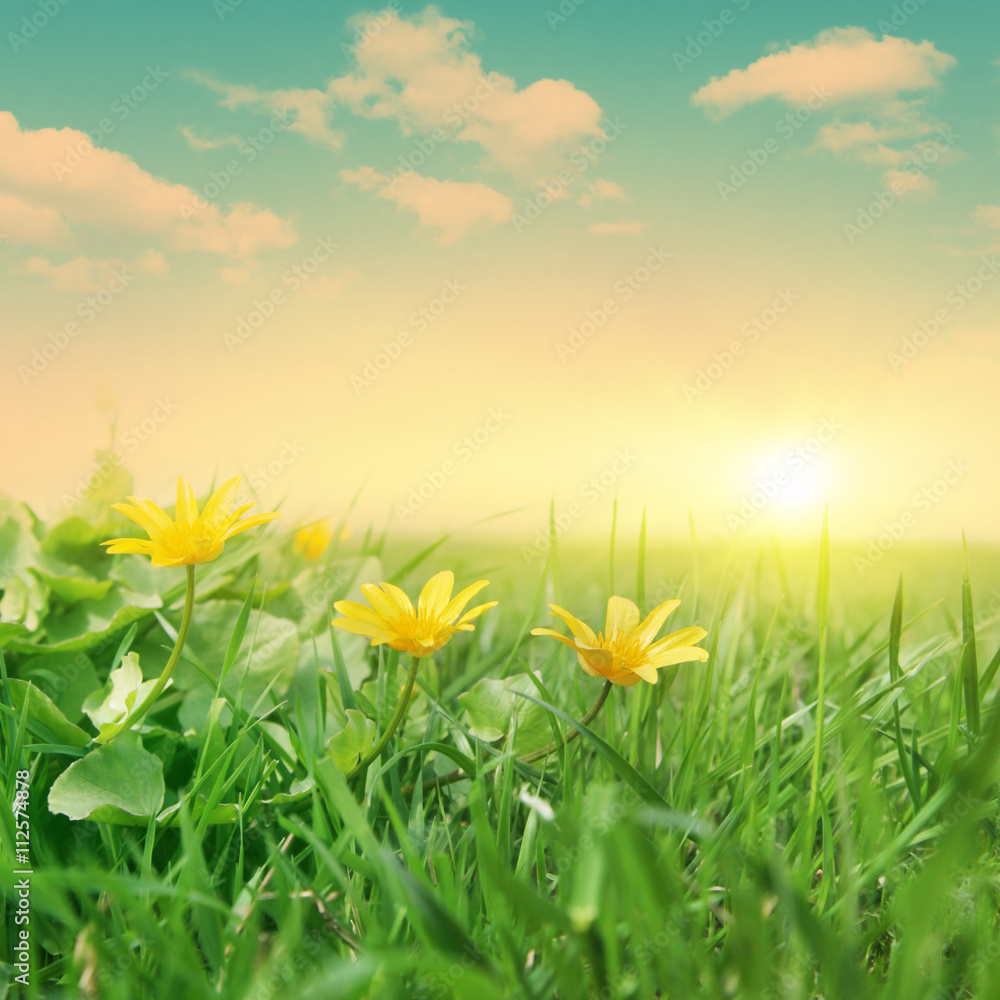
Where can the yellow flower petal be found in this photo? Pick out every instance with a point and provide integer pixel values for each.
(459, 601)
(654, 620)
(623, 616)
(564, 639)
(624, 653)
(224, 523)
(580, 629)
(251, 522)
(140, 546)
(626, 679)
(391, 618)
(381, 602)
(186, 513)
(683, 637)
(221, 500)
(436, 594)
(601, 660)
(189, 538)
(686, 654)
(153, 521)
(476, 612)
(352, 609)
(646, 671)
(359, 627)
(398, 598)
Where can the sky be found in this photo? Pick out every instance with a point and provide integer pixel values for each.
(733, 259)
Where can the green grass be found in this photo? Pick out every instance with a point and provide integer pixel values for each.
(714, 835)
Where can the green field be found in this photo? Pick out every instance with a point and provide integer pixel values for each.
(812, 812)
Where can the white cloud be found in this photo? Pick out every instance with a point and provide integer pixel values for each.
(906, 183)
(80, 274)
(847, 63)
(868, 136)
(452, 207)
(199, 142)
(321, 286)
(988, 215)
(421, 73)
(152, 262)
(857, 79)
(897, 136)
(298, 110)
(364, 178)
(616, 228)
(601, 190)
(981, 236)
(22, 222)
(108, 192)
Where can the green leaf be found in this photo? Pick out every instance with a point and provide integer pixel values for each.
(117, 783)
(74, 541)
(44, 710)
(17, 542)
(11, 630)
(970, 665)
(89, 623)
(225, 812)
(275, 644)
(67, 678)
(73, 589)
(895, 635)
(349, 745)
(124, 690)
(492, 705)
(25, 600)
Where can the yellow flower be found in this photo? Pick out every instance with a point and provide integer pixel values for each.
(192, 537)
(392, 620)
(313, 539)
(624, 653)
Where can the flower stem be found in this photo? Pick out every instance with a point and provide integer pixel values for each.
(161, 682)
(585, 721)
(394, 722)
(460, 775)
